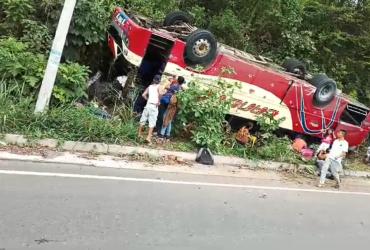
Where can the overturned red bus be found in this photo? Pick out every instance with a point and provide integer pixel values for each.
(308, 103)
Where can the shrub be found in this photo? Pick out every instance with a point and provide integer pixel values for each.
(268, 124)
(37, 36)
(203, 109)
(22, 72)
(273, 147)
(156, 9)
(15, 12)
(277, 149)
(71, 82)
(229, 29)
(200, 16)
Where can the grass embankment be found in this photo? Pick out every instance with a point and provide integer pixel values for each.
(71, 123)
(63, 123)
(81, 124)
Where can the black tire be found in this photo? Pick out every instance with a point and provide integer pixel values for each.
(295, 66)
(177, 17)
(326, 90)
(201, 48)
(318, 78)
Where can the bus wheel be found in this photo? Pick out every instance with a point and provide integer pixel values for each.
(177, 17)
(201, 48)
(326, 89)
(295, 66)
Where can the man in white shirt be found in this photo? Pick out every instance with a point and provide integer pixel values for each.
(150, 113)
(334, 159)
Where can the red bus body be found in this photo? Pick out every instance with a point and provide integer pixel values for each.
(263, 88)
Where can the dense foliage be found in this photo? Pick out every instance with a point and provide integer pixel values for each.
(205, 119)
(22, 72)
(330, 35)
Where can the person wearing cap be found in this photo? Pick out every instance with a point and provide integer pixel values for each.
(150, 113)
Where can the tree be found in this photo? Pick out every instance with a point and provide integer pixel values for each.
(332, 36)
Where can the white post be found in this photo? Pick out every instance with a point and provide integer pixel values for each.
(55, 55)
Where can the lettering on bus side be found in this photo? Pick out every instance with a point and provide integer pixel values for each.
(252, 108)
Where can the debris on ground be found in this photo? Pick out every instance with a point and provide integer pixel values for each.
(263, 196)
(89, 156)
(44, 241)
(172, 159)
(122, 80)
(205, 157)
(95, 110)
(94, 79)
(47, 153)
(38, 151)
(108, 92)
(100, 113)
(157, 160)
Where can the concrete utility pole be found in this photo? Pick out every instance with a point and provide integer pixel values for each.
(55, 55)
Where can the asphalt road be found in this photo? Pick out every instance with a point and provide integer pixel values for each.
(72, 207)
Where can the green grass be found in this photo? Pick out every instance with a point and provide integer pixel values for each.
(180, 145)
(358, 166)
(80, 124)
(64, 123)
(274, 149)
(355, 161)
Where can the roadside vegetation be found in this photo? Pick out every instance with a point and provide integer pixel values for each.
(331, 36)
(196, 126)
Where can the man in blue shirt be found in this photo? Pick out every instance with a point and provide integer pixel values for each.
(170, 108)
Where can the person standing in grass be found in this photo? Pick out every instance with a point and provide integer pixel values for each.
(164, 87)
(168, 118)
(334, 159)
(169, 101)
(150, 113)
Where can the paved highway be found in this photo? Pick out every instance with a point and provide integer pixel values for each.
(48, 206)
